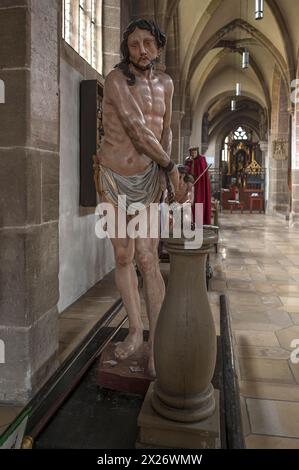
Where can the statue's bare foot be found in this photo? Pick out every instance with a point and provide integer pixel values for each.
(129, 346)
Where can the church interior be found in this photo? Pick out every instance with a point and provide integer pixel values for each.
(235, 69)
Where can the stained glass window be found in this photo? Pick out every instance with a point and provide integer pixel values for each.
(240, 134)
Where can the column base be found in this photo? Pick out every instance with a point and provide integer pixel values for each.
(183, 409)
(159, 432)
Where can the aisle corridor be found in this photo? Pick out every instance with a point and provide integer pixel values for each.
(257, 267)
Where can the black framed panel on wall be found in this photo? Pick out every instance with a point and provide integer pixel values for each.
(91, 134)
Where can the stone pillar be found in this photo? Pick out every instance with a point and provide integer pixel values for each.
(265, 164)
(111, 34)
(143, 9)
(279, 197)
(186, 127)
(176, 153)
(173, 69)
(180, 410)
(279, 194)
(185, 144)
(295, 166)
(295, 197)
(29, 159)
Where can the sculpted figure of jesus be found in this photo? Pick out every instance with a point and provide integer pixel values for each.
(135, 152)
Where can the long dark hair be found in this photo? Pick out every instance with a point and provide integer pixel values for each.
(149, 25)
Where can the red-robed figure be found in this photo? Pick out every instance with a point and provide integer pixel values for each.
(197, 165)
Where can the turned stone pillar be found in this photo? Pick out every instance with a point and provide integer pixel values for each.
(185, 340)
(180, 410)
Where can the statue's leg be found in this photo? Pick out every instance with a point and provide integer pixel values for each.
(127, 284)
(146, 254)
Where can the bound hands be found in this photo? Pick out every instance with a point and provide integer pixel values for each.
(174, 178)
(172, 183)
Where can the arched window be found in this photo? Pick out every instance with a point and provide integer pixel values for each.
(225, 150)
(82, 29)
(240, 133)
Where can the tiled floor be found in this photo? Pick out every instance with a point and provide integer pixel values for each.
(257, 267)
(77, 320)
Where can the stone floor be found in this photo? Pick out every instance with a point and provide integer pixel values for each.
(257, 267)
(77, 320)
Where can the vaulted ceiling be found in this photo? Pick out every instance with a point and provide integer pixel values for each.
(212, 36)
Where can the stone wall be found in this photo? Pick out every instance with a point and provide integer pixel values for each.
(38, 113)
(111, 34)
(84, 259)
(29, 159)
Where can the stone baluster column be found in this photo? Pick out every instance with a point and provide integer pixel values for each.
(185, 341)
(180, 409)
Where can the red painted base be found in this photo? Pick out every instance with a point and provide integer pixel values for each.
(125, 376)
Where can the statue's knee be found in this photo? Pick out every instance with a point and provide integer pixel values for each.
(146, 262)
(122, 258)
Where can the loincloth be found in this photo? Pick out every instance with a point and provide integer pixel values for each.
(144, 187)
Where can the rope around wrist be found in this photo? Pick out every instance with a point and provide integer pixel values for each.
(169, 167)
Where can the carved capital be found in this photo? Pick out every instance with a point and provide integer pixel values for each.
(263, 146)
(280, 149)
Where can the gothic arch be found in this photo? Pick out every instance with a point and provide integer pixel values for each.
(257, 72)
(220, 132)
(214, 40)
(281, 23)
(226, 116)
(224, 131)
(226, 93)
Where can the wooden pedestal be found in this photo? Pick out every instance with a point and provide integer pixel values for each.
(125, 376)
